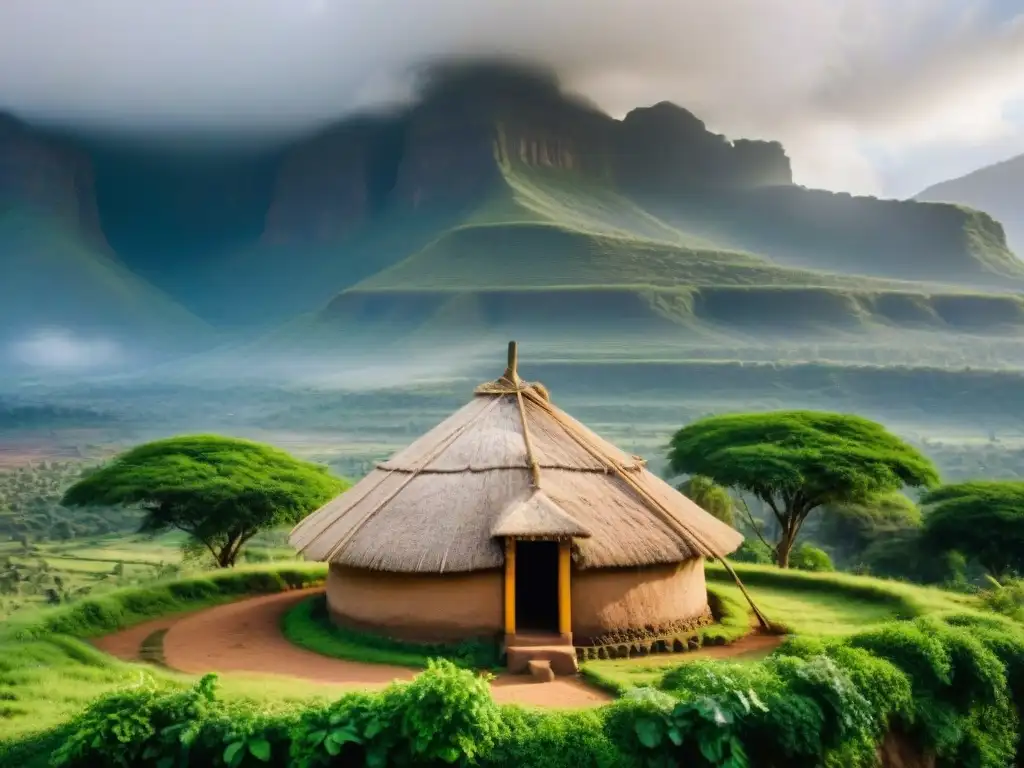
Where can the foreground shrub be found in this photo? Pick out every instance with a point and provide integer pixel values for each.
(952, 689)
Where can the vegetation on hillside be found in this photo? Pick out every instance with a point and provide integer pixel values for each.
(220, 491)
(796, 462)
(710, 497)
(983, 520)
(30, 507)
(565, 253)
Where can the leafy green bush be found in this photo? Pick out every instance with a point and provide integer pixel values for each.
(1006, 598)
(809, 558)
(754, 551)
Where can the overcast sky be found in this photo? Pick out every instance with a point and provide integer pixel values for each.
(876, 96)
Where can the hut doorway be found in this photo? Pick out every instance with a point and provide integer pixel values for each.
(536, 586)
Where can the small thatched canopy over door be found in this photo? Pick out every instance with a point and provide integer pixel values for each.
(538, 538)
(462, 509)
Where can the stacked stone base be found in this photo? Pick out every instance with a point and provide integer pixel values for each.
(675, 637)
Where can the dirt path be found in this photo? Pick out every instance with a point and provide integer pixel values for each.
(245, 636)
(748, 645)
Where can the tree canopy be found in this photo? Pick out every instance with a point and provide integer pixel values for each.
(219, 490)
(984, 520)
(798, 461)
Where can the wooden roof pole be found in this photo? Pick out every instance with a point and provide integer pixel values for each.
(512, 375)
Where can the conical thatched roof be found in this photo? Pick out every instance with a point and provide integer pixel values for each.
(509, 463)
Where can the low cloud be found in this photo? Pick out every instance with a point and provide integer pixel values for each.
(60, 349)
(861, 91)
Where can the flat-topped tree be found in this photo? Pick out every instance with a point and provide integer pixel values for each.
(983, 520)
(798, 461)
(221, 491)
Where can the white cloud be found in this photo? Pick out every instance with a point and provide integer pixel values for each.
(827, 77)
(61, 349)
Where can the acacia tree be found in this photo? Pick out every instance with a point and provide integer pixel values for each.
(799, 461)
(983, 520)
(220, 491)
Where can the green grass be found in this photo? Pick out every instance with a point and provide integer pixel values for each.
(520, 256)
(48, 672)
(838, 603)
(115, 611)
(309, 626)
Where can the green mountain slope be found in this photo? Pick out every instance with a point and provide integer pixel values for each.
(50, 277)
(556, 258)
(548, 228)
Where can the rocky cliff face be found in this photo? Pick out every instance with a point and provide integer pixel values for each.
(48, 177)
(449, 149)
(665, 148)
(323, 187)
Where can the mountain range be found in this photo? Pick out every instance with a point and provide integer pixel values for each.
(495, 205)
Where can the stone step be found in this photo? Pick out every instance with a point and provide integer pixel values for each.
(524, 639)
(540, 670)
(560, 658)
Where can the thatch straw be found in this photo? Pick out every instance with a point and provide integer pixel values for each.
(538, 516)
(509, 463)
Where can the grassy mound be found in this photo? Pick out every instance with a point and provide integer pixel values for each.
(812, 605)
(823, 604)
(309, 626)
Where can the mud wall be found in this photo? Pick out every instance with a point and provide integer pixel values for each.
(427, 607)
(613, 599)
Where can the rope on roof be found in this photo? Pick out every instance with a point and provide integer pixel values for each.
(512, 376)
(664, 513)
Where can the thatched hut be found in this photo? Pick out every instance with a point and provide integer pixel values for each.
(512, 517)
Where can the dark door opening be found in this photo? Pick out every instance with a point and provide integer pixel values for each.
(537, 586)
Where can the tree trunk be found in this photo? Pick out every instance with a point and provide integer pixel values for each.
(783, 549)
(224, 558)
